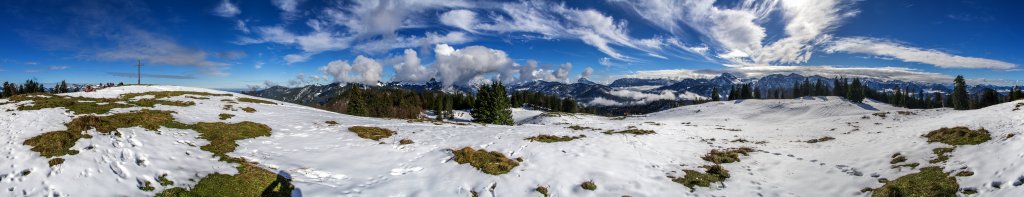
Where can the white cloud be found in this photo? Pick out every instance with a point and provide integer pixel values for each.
(410, 69)
(462, 66)
(363, 70)
(258, 65)
(673, 74)
(226, 9)
(58, 67)
(287, 5)
(600, 101)
(431, 38)
(587, 72)
(641, 97)
(911, 54)
(462, 19)
(295, 58)
(134, 44)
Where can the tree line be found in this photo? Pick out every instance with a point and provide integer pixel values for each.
(546, 102)
(30, 87)
(857, 91)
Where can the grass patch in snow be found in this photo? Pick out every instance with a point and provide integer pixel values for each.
(146, 186)
(580, 128)
(493, 163)
(249, 109)
(405, 141)
(822, 139)
(225, 116)
(257, 101)
(931, 181)
(58, 143)
(331, 122)
(712, 174)
(251, 180)
(542, 190)
(373, 133)
(911, 165)
(166, 94)
(959, 136)
(631, 130)
(164, 181)
(222, 136)
(965, 173)
(83, 105)
(941, 154)
(589, 185)
(552, 138)
(897, 158)
(55, 161)
(720, 156)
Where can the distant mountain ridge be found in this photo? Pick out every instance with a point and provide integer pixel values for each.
(624, 91)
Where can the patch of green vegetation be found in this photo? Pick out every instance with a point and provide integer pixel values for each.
(822, 139)
(249, 109)
(222, 136)
(556, 114)
(692, 178)
(331, 122)
(493, 163)
(552, 138)
(167, 94)
(26, 172)
(147, 186)
(542, 190)
(229, 107)
(198, 97)
(55, 161)
(373, 133)
(405, 141)
(578, 128)
(631, 130)
(589, 185)
(965, 173)
(83, 105)
(931, 181)
(251, 180)
(911, 165)
(959, 136)
(720, 156)
(257, 101)
(941, 154)
(164, 181)
(897, 158)
(59, 143)
(226, 116)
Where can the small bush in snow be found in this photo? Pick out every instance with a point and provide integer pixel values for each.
(373, 133)
(941, 155)
(405, 141)
(822, 139)
(249, 109)
(225, 116)
(959, 136)
(542, 190)
(631, 130)
(493, 163)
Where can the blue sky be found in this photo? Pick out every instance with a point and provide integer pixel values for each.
(239, 44)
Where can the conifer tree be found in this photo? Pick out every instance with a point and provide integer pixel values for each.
(989, 97)
(1016, 94)
(855, 91)
(714, 94)
(960, 98)
(448, 111)
(745, 92)
(356, 102)
(492, 105)
(757, 93)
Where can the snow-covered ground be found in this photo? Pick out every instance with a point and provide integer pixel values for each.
(328, 160)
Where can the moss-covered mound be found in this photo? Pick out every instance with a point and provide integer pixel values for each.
(59, 143)
(373, 133)
(959, 136)
(493, 163)
(931, 181)
(258, 101)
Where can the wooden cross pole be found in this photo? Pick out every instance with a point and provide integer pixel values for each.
(139, 82)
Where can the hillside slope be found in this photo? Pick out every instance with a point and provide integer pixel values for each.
(323, 158)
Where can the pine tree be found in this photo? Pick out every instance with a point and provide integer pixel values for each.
(960, 96)
(757, 93)
(856, 91)
(448, 111)
(745, 92)
(439, 108)
(714, 94)
(356, 102)
(1016, 94)
(492, 105)
(989, 97)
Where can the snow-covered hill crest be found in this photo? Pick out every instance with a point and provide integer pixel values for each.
(323, 158)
